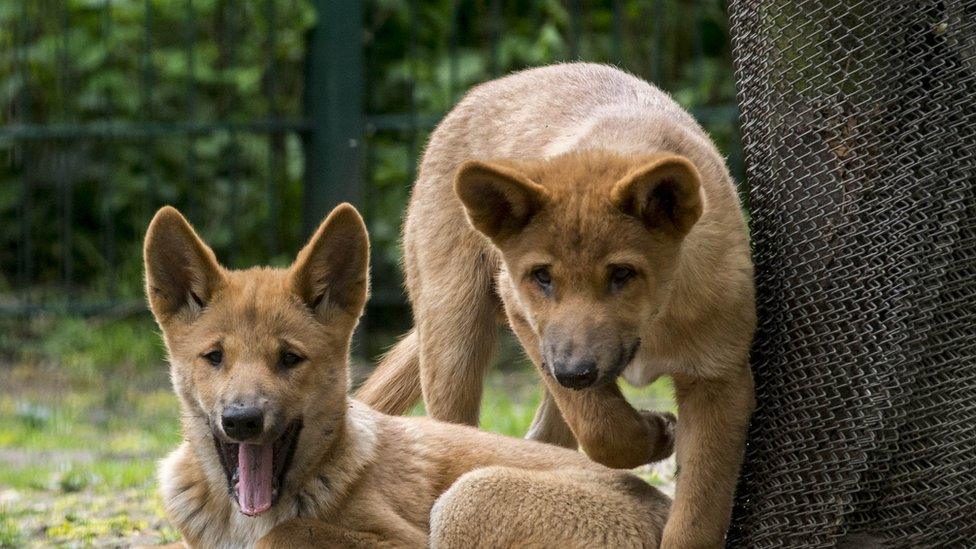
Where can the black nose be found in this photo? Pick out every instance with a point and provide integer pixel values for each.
(579, 375)
(242, 422)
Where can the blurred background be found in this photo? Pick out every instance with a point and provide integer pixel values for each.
(254, 117)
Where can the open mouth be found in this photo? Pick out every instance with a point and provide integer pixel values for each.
(256, 472)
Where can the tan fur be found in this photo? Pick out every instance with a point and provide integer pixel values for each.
(358, 478)
(579, 169)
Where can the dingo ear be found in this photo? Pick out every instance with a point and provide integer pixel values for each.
(182, 272)
(331, 273)
(664, 193)
(499, 200)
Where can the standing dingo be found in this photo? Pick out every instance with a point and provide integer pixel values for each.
(591, 211)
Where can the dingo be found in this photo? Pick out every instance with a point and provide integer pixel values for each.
(588, 208)
(276, 454)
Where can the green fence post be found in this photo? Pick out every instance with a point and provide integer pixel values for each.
(334, 110)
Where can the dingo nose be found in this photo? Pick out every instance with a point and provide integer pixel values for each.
(577, 375)
(242, 422)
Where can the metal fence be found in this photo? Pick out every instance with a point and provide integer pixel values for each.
(256, 117)
(859, 120)
(110, 109)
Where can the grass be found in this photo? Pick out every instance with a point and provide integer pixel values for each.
(9, 532)
(86, 411)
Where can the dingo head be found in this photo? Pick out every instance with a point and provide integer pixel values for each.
(258, 357)
(590, 242)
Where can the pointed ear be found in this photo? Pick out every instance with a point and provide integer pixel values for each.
(331, 273)
(499, 200)
(664, 193)
(182, 272)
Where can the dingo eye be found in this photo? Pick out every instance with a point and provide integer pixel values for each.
(214, 357)
(542, 278)
(289, 360)
(620, 275)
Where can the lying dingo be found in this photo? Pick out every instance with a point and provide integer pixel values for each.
(275, 454)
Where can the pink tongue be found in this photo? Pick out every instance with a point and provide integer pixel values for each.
(255, 471)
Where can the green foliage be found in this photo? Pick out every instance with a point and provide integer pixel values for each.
(151, 65)
(146, 65)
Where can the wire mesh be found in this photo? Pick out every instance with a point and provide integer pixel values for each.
(859, 131)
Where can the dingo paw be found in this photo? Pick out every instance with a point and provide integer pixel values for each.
(663, 424)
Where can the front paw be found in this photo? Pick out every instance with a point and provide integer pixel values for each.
(661, 426)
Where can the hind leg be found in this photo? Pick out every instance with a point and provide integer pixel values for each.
(508, 507)
(456, 316)
(457, 340)
(449, 351)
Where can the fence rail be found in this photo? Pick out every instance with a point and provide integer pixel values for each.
(256, 117)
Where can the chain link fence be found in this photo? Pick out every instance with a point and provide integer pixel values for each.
(859, 127)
